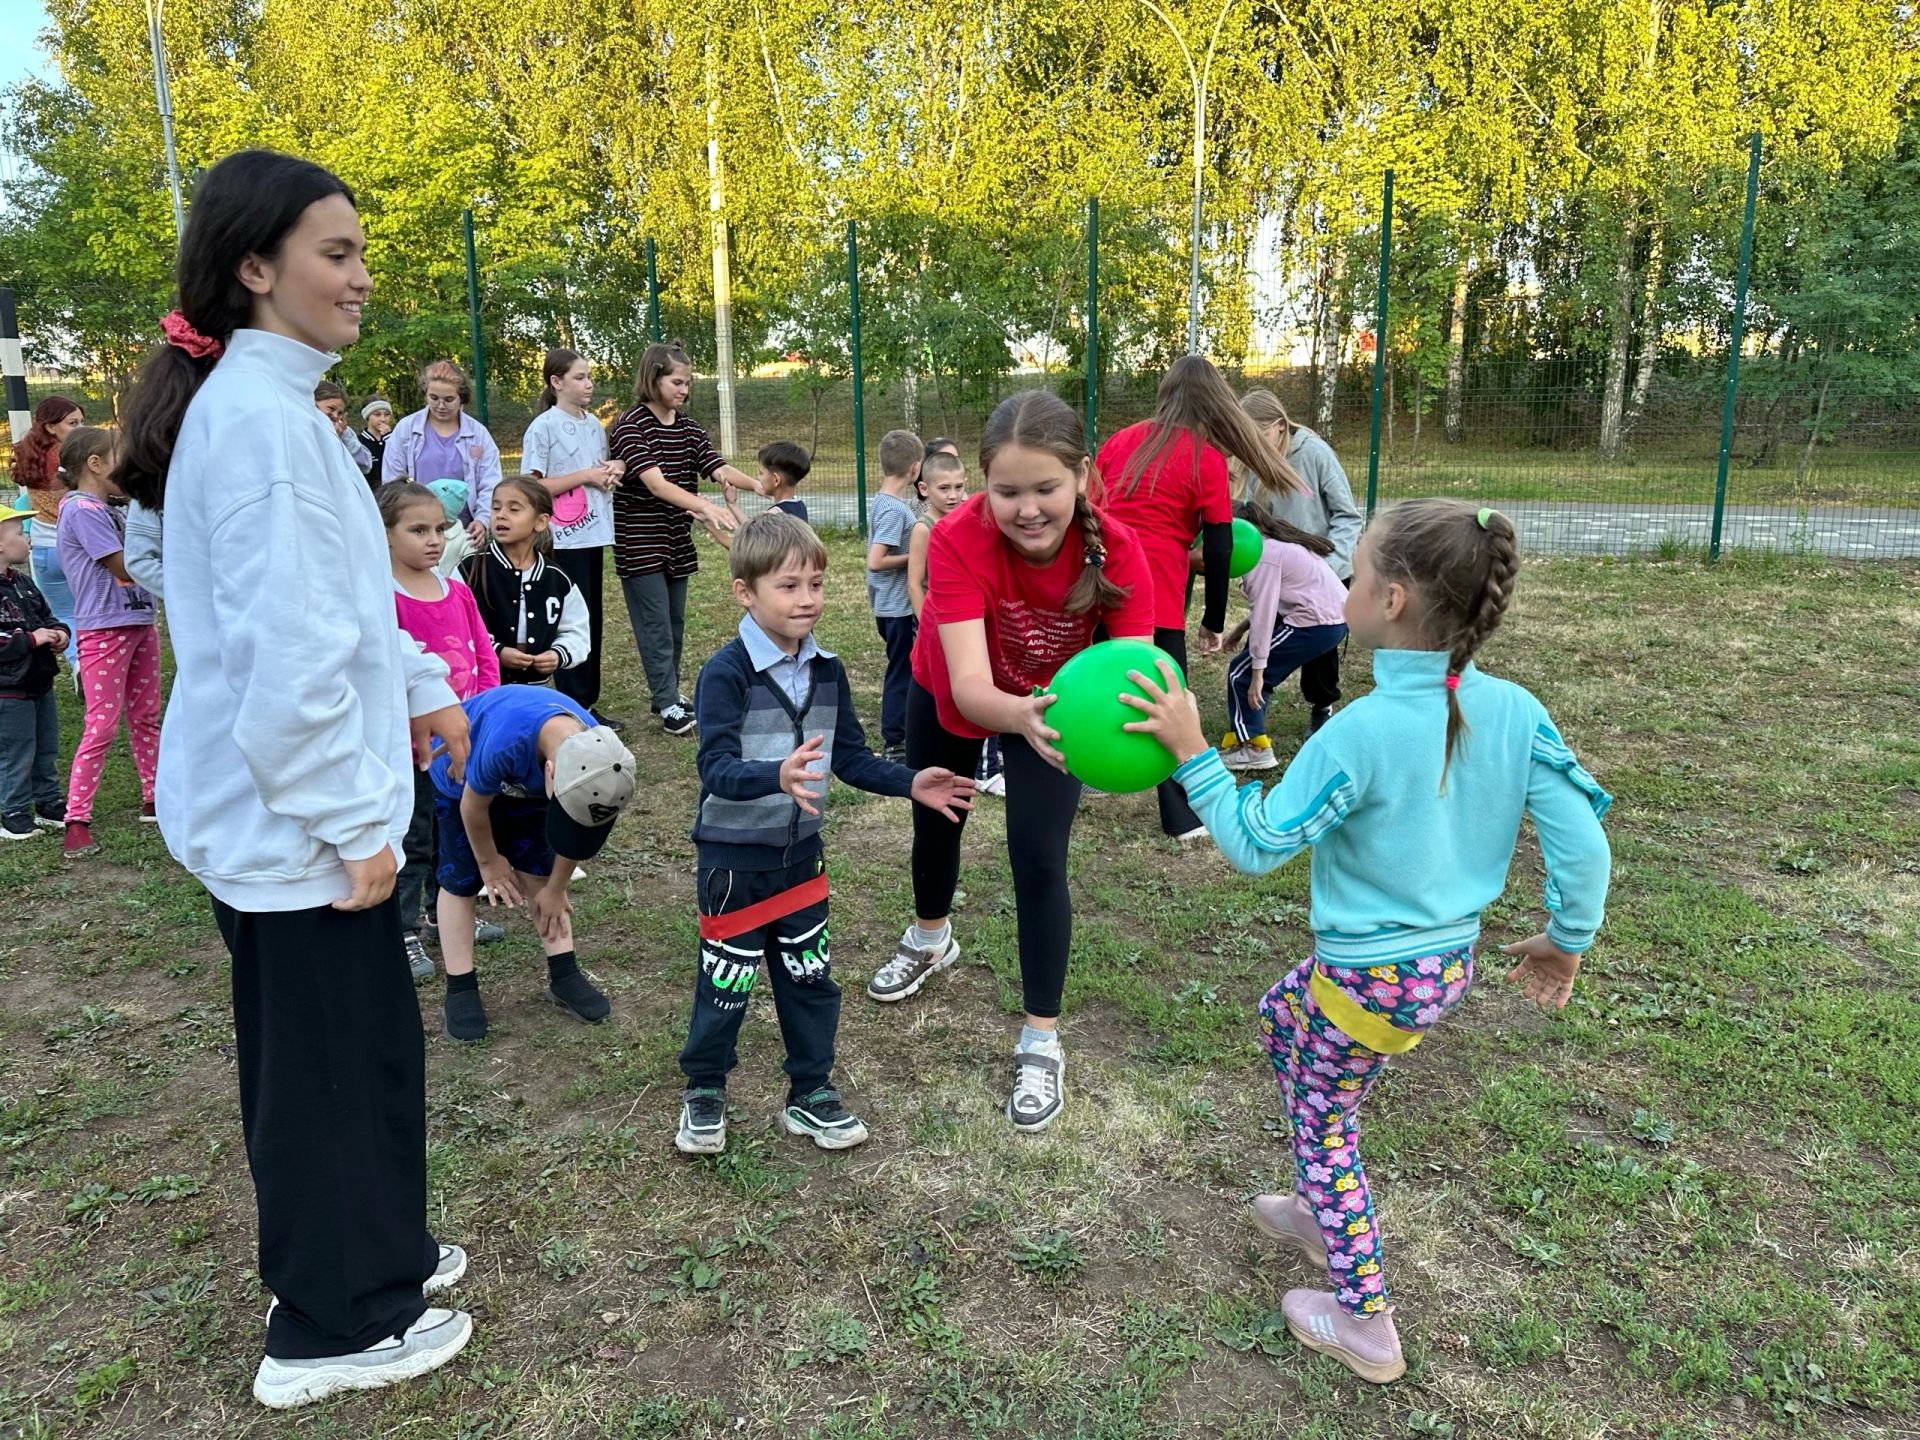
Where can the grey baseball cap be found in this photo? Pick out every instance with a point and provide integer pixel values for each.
(592, 783)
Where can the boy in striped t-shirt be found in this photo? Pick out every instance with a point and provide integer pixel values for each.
(666, 455)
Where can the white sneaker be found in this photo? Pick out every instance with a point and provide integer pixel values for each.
(1039, 1087)
(432, 1340)
(447, 1274)
(994, 784)
(1249, 757)
(1196, 836)
(911, 967)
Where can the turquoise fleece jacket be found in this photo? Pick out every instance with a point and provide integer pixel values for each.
(1402, 869)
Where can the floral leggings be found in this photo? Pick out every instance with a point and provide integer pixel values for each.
(1324, 1075)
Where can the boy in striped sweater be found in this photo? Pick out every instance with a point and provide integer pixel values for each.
(775, 716)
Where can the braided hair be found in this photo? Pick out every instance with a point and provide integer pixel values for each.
(1461, 561)
(1041, 420)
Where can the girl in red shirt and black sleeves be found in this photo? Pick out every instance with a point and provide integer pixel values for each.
(1019, 580)
(1167, 479)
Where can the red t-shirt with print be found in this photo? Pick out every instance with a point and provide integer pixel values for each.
(974, 574)
(1166, 508)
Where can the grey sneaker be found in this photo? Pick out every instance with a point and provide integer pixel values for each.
(821, 1115)
(485, 932)
(1039, 1088)
(677, 719)
(910, 968)
(419, 962)
(703, 1122)
(447, 1274)
(434, 1339)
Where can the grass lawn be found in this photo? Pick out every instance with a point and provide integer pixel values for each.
(1684, 1208)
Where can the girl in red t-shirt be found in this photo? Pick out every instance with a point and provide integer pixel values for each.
(1167, 478)
(1019, 579)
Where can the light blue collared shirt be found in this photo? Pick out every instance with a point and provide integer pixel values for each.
(792, 673)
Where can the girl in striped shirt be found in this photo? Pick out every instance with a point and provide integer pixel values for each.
(666, 455)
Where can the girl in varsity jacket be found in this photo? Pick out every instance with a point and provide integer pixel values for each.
(533, 612)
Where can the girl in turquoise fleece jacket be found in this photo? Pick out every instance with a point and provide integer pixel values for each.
(1411, 800)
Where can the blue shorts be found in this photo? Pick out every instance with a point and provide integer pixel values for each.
(519, 834)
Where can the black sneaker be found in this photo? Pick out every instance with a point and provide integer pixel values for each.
(821, 1115)
(703, 1122)
(677, 720)
(607, 722)
(51, 817)
(18, 826)
(1321, 714)
(896, 753)
(579, 997)
(466, 1017)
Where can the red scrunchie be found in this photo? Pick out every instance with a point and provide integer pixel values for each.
(1453, 682)
(182, 336)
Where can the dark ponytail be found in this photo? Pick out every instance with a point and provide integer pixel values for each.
(244, 206)
(559, 360)
(1256, 514)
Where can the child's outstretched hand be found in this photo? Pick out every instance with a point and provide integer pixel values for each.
(944, 791)
(550, 905)
(1173, 715)
(1545, 970)
(797, 778)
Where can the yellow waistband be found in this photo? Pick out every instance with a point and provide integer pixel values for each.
(1372, 1030)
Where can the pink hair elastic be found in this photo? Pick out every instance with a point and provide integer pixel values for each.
(182, 336)
(1453, 682)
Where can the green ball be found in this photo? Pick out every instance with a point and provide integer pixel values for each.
(1247, 544)
(1088, 714)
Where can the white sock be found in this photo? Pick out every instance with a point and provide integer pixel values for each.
(1032, 1039)
(931, 939)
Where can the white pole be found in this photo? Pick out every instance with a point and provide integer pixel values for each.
(163, 96)
(722, 273)
(13, 367)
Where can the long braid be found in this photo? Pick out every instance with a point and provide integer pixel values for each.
(1093, 590)
(1500, 555)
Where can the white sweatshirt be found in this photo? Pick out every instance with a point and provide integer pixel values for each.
(285, 747)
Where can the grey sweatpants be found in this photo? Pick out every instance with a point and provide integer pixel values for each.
(657, 609)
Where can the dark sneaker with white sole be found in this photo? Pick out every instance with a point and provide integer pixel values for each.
(910, 968)
(677, 719)
(51, 817)
(1039, 1088)
(430, 1342)
(465, 1017)
(19, 826)
(579, 997)
(703, 1122)
(419, 962)
(822, 1116)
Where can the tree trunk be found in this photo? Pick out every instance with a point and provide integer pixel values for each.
(1613, 398)
(1649, 331)
(1326, 349)
(1813, 431)
(1419, 405)
(910, 397)
(1457, 352)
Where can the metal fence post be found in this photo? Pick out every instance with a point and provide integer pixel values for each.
(653, 294)
(1380, 339)
(478, 345)
(1739, 336)
(1093, 318)
(859, 382)
(13, 366)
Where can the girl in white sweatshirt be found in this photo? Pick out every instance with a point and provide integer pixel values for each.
(298, 711)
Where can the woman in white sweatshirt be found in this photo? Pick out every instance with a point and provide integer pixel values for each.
(298, 707)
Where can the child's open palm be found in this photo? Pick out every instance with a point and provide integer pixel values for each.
(1545, 970)
(944, 791)
(797, 776)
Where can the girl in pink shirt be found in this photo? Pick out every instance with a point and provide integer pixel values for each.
(440, 613)
(1299, 614)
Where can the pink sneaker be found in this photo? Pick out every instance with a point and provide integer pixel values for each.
(79, 840)
(1287, 1219)
(1370, 1347)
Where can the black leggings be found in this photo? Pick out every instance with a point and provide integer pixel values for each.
(1176, 815)
(1041, 802)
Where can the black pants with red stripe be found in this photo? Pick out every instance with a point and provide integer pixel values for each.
(805, 997)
